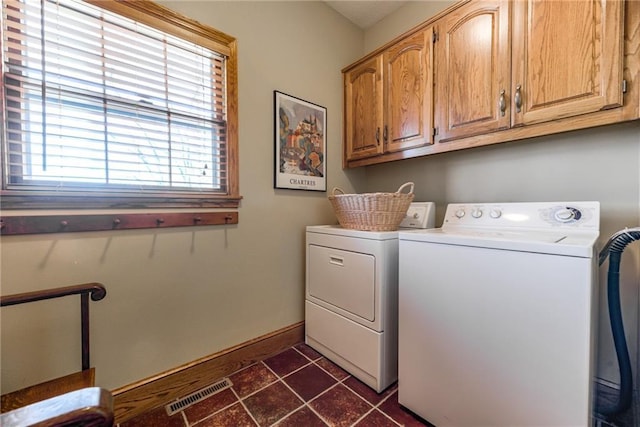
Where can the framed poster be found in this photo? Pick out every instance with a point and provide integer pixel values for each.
(300, 144)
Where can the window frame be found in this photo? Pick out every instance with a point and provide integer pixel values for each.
(170, 22)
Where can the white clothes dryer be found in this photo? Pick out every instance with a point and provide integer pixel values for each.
(351, 298)
(497, 318)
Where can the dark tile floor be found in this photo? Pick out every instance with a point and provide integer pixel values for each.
(298, 387)
(301, 388)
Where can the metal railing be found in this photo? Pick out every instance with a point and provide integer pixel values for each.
(95, 291)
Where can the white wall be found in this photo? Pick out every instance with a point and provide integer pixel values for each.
(408, 16)
(599, 164)
(176, 295)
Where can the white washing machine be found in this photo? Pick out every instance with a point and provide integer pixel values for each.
(498, 310)
(351, 302)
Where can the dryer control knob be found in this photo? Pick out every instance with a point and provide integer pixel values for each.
(495, 213)
(566, 214)
(459, 213)
(476, 213)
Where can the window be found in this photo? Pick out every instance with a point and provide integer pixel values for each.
(103, 110)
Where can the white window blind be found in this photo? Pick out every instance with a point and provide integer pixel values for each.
(96, 102)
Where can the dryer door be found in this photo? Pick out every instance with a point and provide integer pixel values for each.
(343, 280)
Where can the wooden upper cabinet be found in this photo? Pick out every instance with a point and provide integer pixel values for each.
(473, 66)
(562, 59)
(364, 121)
(408, 105)
(567, 58)
(389, 99)
(496, 71)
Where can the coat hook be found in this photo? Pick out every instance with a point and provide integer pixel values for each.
(197, 219)
(159, 221)
(64, 223)
(116, 221)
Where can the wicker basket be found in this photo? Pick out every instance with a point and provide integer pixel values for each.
(372, 211)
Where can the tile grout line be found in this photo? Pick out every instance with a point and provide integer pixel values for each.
(342, 381)
(241, 400)
(245, 406)
(338, 382)
(281, 379)
(305, 403)
(316, 397)
(372, 410)
(262, 388)
(383, 412)
(184, 418)
(374, 406)
(320, 356)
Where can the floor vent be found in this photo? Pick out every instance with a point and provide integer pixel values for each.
(197, 396)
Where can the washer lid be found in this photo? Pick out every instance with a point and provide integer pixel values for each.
(557, 243)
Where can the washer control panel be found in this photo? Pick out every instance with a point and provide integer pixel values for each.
(420, 215)
(536, 215)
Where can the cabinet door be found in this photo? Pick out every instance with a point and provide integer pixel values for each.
(363, 110)
(409, 93)
(567, 58)
(473, 70)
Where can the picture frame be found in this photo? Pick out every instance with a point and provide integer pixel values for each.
(300, 142)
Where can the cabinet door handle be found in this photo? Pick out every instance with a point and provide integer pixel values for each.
(503, 103)
(518, 99)
(384, 135)
(378, 136)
